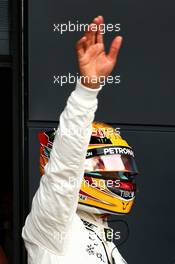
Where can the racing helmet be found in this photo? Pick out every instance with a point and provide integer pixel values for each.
(110, 170)
(109, 184)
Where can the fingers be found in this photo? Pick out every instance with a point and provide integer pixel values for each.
(80, 46)
(114, 49)
(99, 20)
(90, 35)
(94, 33)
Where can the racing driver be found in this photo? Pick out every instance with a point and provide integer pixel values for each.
(89, 174)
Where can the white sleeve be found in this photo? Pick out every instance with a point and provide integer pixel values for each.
(56, 199)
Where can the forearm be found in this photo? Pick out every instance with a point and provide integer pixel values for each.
(73, 134)
(56, 200)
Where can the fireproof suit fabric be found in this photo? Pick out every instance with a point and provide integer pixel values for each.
(54, 232)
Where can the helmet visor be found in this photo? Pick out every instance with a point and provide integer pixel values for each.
(117, 163)
(119, 183)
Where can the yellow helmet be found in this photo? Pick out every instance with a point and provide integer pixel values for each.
(108, 185)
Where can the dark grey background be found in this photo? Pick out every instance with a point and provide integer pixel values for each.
(146, 64)
(142, 105)
(5, 20)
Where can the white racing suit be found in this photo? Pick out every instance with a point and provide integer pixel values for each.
(55, 232)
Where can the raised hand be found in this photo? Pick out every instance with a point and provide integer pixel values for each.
(92, 59)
